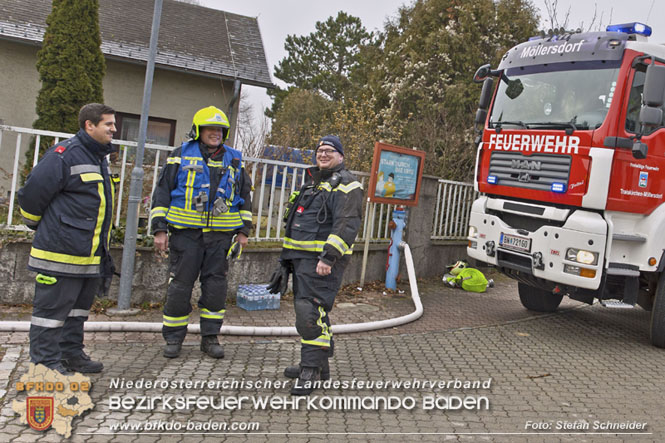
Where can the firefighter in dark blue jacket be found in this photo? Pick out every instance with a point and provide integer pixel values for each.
(321, 225)
(203, 200)
(68, 198)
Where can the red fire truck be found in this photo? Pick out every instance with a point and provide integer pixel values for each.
(571, 167)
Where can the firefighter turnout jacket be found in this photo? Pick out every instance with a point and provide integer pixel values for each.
(324, 216)
(200, 192)
(68, 198)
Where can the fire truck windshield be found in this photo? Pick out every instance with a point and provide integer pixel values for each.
(554, 99)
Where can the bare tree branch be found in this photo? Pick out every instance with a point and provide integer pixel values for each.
(593, 19)
(552, 7)
(251, 129)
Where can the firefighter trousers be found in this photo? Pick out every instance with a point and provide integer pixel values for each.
(314, 296)
(196, 254)
(60, 308)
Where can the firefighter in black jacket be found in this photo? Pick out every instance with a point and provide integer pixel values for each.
(68, 199)
(203, 200)
(321, 225)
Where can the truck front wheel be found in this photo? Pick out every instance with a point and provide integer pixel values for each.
(538, 300)
(658, 315)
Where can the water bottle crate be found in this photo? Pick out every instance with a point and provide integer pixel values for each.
(255, 297)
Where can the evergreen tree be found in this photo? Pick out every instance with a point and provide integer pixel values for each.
(70, 64)
(71, 68)
(421, 78)
(301, 118)
(322, 60)
(411, 85)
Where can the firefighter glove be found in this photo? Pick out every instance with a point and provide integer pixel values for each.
(105, 287)
(235, 251)
(279, 281)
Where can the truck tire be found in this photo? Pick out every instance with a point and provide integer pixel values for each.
(538, 300)
(658, 315)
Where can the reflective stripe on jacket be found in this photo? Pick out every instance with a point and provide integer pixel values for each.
(187, 175)
(68, 198)
(324, 220)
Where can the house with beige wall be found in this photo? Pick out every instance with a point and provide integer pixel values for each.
(204, 57)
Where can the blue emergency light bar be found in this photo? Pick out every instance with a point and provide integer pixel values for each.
(558, 187)
(631, 28)
(492, 179)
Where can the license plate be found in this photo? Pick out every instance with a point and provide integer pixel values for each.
(515, 243)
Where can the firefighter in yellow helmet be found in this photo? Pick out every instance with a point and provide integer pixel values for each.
(203, 201)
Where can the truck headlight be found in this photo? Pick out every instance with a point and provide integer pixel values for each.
(582, 256)
(473, 232)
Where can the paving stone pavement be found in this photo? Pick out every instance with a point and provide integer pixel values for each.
(582, 365)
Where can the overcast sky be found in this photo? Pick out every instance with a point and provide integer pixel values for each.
(277, 19)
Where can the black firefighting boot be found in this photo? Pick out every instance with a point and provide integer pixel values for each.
(294, 371)
(172, 349)
(211, 346)
(306, 381)
(61, 369)
(83, 364)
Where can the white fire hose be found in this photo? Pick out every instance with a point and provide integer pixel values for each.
(134, 326)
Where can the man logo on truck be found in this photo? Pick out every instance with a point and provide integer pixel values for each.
(526, 164)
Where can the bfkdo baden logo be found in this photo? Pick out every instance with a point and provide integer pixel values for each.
(40, 412)
(52, 399)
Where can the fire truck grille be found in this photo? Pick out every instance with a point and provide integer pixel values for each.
(537, 171)
(522, 221)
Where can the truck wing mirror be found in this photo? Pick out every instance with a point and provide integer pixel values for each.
(481, 116)
(486, 94)
(640, 150)
(484, 102)
(654, 86)
(651, 116)
(482, 73)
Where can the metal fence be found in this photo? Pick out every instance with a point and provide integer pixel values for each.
(273, 180)
(24, 137)
(453, 208)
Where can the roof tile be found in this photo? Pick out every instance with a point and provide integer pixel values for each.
(191, 37)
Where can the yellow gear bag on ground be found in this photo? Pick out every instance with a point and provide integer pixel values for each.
(469, 279)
